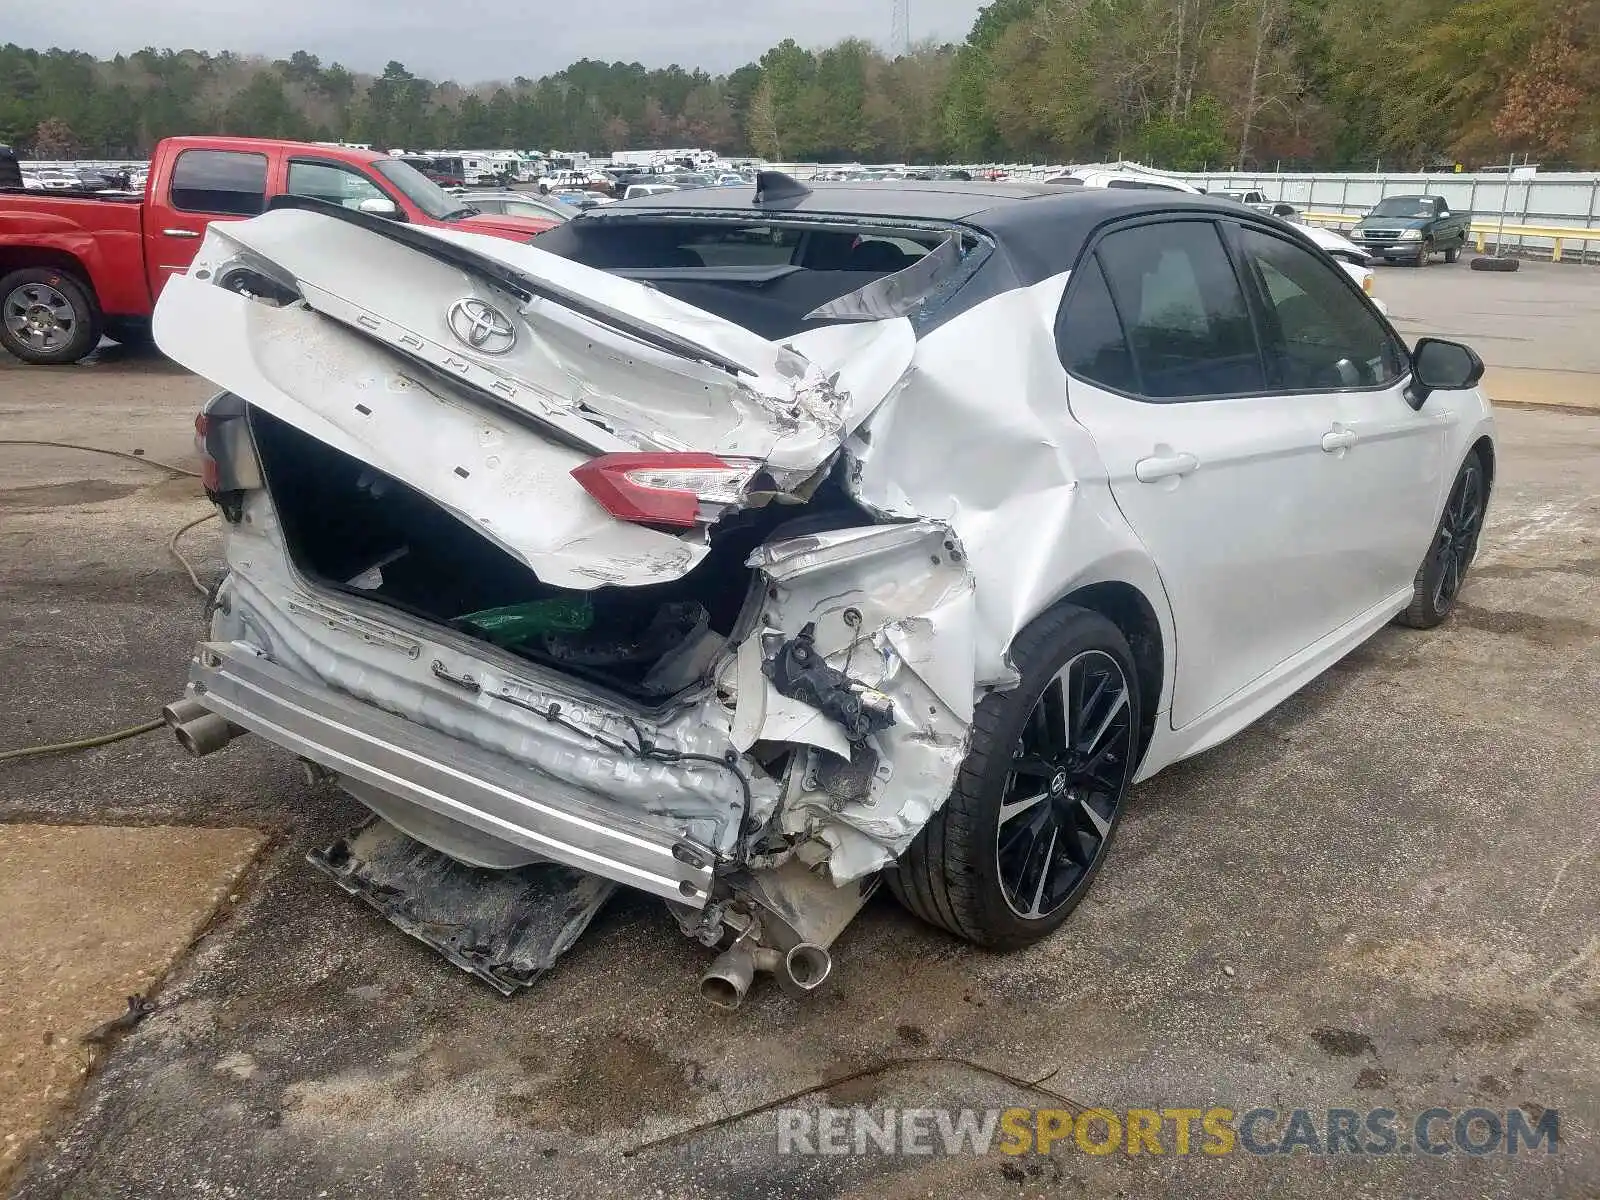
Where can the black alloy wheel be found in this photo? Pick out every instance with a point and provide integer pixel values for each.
(1065, 787)
(1455, 544)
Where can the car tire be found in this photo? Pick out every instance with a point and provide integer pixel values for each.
(1453, 255)
(1495, 264)
(975, 869)
(1443, 572)
(47, 317)
(1423, 252)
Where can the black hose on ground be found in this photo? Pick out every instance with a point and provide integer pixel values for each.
(106, 739)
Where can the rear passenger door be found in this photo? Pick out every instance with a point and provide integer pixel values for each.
(1224, 479)
(201, 186)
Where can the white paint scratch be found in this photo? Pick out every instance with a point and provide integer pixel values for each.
(1562, 870)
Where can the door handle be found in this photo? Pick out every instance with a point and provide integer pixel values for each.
(1164, 466)
(1338, 438)
(180, 233)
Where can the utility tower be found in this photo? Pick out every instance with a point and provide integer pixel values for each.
(900, 29)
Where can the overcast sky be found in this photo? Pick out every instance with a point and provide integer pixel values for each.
(476, 40)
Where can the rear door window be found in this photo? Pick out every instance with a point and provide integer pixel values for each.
(1187, 323)
(1090, 337)
(220, 181)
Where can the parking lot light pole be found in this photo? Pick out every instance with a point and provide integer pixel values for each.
(1505, 203)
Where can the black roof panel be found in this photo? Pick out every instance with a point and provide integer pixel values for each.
(1040, 228)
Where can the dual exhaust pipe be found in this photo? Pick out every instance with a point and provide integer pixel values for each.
(198, 730)
(800, 971)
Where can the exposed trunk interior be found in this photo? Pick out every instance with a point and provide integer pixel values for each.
(352, 529)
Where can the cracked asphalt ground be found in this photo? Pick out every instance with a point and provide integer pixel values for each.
(1385, 894)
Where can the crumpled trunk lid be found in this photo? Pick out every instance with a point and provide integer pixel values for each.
(481, 373)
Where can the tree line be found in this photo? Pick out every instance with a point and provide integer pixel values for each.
(1186, 84)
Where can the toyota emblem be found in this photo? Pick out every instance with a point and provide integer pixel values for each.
(481, 326)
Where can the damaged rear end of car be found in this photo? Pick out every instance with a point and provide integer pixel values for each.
(564, 579)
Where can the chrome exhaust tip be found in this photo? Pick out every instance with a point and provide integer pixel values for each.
(799, 972)
(205, 735)
(805, 969)
(184, 710)
(729, 978)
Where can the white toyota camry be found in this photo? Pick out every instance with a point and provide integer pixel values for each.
(748, 548)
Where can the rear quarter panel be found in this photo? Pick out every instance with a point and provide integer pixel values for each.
(987, 444)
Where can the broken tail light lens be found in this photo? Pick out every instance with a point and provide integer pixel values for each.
(678, 489)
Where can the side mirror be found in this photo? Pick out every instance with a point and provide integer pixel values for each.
(1283, 210)
(1438, 365)
(379, 206)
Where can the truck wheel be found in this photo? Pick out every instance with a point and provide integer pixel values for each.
(1423, 251)
(1453, 254)
(47, 316)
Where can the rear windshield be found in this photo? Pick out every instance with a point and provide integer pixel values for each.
(772, 277)
(1404, 206)
(616, 244)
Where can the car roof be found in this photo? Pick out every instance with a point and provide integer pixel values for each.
(1039, 228)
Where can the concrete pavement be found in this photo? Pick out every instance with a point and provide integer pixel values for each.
(1385, 894)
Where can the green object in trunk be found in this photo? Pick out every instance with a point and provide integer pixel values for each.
(517, 623)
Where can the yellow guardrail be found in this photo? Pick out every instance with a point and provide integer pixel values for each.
(1483, 230)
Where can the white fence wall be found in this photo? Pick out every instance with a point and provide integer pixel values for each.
(1558, 198)
(1547, 199)
(1553, 198)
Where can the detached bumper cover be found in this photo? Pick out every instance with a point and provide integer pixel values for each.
(500, 798)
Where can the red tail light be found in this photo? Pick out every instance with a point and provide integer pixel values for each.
(672, 488)
(210, 472)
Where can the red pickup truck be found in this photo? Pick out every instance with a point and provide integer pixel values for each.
(74, 266)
